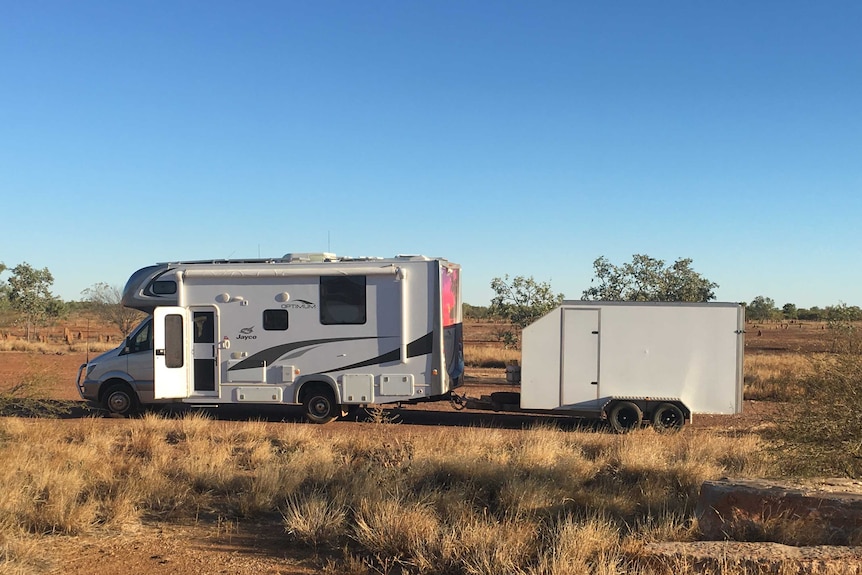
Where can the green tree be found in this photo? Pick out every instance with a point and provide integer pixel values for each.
(475, 311)
(4, 289)
(521, 301)
(813, 314)
(106, 304)
(761, 308)
(841, 322)
(648, 279)
(30, 295)
(790, 312)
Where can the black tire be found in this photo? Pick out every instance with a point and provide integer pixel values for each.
(625, 416)
(320, 405)
(120, 400)
(668, 417)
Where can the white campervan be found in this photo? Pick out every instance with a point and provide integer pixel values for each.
(311, 329)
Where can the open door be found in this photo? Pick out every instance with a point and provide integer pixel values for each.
(171, 355)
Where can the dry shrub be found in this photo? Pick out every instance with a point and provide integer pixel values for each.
(488, 546)
(819, 433)
(576, 546)
(313, 518)
(394, 526)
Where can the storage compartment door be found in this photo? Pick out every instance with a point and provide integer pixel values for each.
(580, 356)
(171, 355)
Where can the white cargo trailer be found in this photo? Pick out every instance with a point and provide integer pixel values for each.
(629, 362)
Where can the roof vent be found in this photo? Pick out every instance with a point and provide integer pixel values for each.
(309, 257)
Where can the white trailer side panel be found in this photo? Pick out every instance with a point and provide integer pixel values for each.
(688, 351)
(692, 352)
(541, 362)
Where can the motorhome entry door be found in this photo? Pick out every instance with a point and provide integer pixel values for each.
(204, 337)
(170, 353)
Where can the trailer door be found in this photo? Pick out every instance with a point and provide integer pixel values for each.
(580, 356)
(171, 368)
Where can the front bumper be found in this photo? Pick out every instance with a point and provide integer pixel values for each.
(88, 390)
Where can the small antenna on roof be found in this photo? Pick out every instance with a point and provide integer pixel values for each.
(328, 242)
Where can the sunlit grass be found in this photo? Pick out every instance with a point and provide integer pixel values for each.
(479, 501)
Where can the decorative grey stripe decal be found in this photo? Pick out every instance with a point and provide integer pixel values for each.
(271, 354)
(391, 356)
(421, 346)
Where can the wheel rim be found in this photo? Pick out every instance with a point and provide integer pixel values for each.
(627, 418)
(320, 407)
(669, 418)
(119, 402)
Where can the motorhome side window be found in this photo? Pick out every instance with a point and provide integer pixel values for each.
(275, 319)
(342, 300)
(142, 340)
(163, 287)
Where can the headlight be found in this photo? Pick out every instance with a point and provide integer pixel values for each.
(90, 368)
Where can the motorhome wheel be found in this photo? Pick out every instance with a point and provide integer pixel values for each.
(320, 406)
(119, 399)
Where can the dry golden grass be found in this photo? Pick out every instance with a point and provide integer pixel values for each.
(490, 355)
(55, 347)
(777, 377)
(479, 501)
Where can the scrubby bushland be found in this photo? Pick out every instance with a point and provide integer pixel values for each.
(818, 433)
(478, 501)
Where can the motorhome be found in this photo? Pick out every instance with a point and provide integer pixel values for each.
(313, 329)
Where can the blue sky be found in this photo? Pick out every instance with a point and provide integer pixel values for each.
(520, 138)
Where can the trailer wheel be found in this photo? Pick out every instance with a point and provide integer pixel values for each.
(625, 416)
(120, 400)
(320, 405)
(667, 417)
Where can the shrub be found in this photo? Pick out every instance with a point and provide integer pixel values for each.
(818, 434)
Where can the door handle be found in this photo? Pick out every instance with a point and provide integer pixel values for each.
(160, 352)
